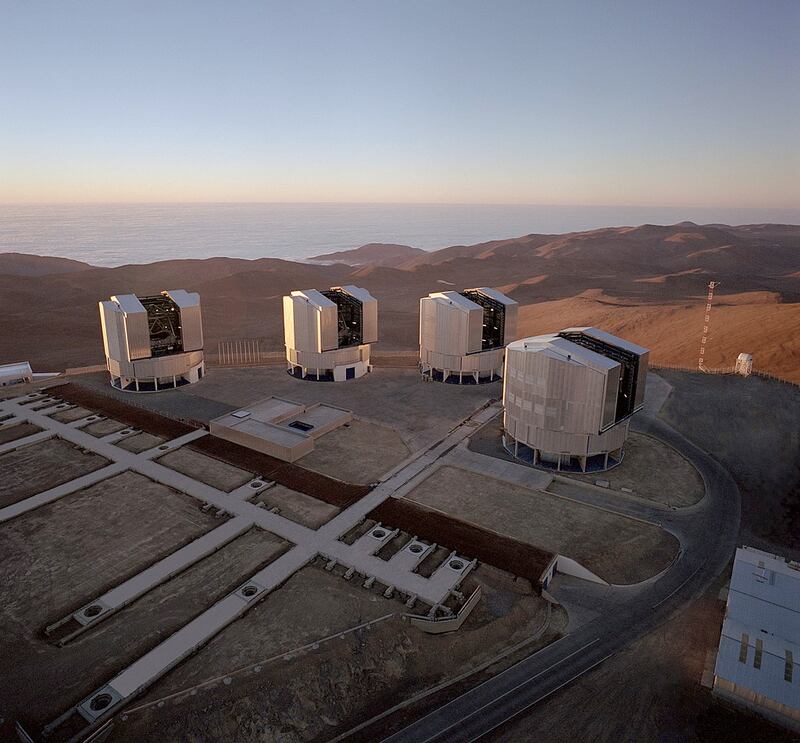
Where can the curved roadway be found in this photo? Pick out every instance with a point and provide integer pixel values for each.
(619, 615)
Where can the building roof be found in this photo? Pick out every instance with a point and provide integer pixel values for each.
(362, 295)
(128, 303)
(17, 369)
(459, 301)
(763, 605)
(612, 340)
(493, 294)
(567, 351)
(765, 592)
(317, 298)
(183, 298)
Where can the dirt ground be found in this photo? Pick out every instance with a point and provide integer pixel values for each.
(752, 426)
(359, 452)
(656, 681)
(72, 414)
(39, 467)
(291, 475)
(654, 471)
(40, 680)
(104, 427)
(140, 442)
(122, 406)
(335, 684)
(12, 433)
(198, 466)
(298, 507)
(421, 413)
(618, 549)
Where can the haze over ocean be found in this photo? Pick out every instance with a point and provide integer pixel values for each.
(116, 234)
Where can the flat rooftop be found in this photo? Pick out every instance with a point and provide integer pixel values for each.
(280, 427)
(760, 644)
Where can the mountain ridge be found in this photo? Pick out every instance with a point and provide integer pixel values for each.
(652, 278)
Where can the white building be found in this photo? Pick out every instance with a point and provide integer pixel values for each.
(19, 373)
(328, 333)
(281, 428)
(568, 398)
(153, 343)
(759, 650)
(462, 335)
(744, 365)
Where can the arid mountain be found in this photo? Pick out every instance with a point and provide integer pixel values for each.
(377, 254)
(23, 264)
(647, 283)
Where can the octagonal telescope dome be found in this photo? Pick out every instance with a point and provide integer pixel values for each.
(463, 335)
(155, 342)
(328, 334)
(568, 398)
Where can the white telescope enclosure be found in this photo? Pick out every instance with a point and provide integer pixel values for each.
(153, 342)
(568, 398)
(462, 335)
(328, 334)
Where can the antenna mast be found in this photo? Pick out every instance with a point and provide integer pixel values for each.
(711, 286)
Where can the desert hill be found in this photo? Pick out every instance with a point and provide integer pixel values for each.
(648, 283)
(24, 264)
(378, 254)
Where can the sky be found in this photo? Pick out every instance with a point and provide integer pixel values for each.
(420, 101)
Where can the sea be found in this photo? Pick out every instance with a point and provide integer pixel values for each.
(118, 234)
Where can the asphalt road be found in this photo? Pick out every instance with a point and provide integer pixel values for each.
(708, 535)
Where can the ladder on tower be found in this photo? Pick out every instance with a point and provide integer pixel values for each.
(706, 322)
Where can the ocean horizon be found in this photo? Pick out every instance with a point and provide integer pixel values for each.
(118, 234)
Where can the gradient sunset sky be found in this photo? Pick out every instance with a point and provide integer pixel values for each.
(664, 103)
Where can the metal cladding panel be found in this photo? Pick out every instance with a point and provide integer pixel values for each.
(362, 295)
(314, 297)
(456, 299)
(370, 316)
(188, 304)
(166, 366)
(612, 340)
(555, 402)
(641, 380)
(316, 328)
(446, 325)
(129, 303)
(112, 328)
(610, 398)
(192, 328)
(183, 298)
(510, 328)
(328, 328)
(329, 359)
(485, 361)
(301, 324)
(137, 336)
(475, 330)
(494, 294)
(289, 338)
(137, 329)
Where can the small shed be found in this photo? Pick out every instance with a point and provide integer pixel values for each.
(744, 365)
(18, 373)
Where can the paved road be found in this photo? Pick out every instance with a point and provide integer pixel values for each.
(708, 533)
